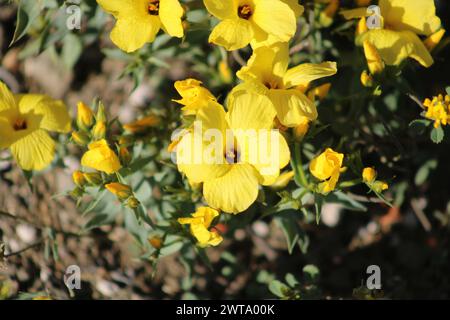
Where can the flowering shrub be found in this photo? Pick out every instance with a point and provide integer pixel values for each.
(277, 113)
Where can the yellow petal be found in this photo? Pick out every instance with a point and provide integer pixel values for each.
(326, 164)
(100, 157)
(8, 107)
(303, 74)
(170, 13)
(34, 151)
(235, 191)
(433, 40)
(374, 61)
(51, 114)
(394, 47)
(232, 34)
(249, 110)
(354, 13)
(292, 107)
(295, 6)
(193, 162)
(133, 32)
(275, 18)
(7, 133)
(416, 16)
(124, 8)
(222, 9)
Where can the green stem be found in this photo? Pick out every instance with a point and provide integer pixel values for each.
(350, 183)
(298, 167)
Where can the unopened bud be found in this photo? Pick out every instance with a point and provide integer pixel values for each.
(133, 203)
(125, 156)
(81, 138)
(99, 130)
(85, 116)
(93, 178)
(77, 193)
(121, 191)
(101, 115)
(156, 242)
(78, 179)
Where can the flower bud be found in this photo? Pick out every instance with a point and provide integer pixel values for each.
(369, 175)
(156, 242)
(99, 130)
(126, 140)
(85, 116)
(366, 79)
(81, 138)
(133, 203)
(93, 178)
(78, 179)
(380, 186)
(125, 156)
(121, 191)
(101, 115)
(77, 193)
(283, 180)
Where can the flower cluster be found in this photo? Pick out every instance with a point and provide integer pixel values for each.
(438, 110)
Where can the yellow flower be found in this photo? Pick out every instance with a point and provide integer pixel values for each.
(138, 21)
(327, 168)
(194, 95)
(238, 166)
(143, 124)
(85, 116)
(200, 223)
(438, 110)
(100, 157)
(256, 21)
(369, 175)
(121, 191)
(267, 72)
(24, 124)
(401, 24)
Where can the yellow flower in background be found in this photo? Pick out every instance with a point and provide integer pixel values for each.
(327, 167)
(232, 178)
(199, 226)
(369, 176)
(85, 116)
(143, 124)
(245, 21)
(438, 110)
(100, 157)
(24, 124)
(401, 24)
(79, 179)
(120, 190)
(267, 72)
(194, 95)
(138, 21)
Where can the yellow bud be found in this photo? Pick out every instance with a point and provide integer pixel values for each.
(366, 79)
(156, 242)
(133, 203)
(283, 180)
(143, 124)
(225, 72)
(369, 175)
(81, 138)
(121, 191)
(376, 65)
(433, 40)
(125, 156)
(379, 186)
(78, 178)
(126, 140)
(322, 91)
(301, 129)
(99, 130)
(93, 178)
(85, 116)
(101, 115)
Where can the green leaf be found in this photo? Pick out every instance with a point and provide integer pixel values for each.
(291, 281)
(419, 125)
(71, 51)
(27, 13)
(437, 134)
(278, 288)
(447, 90)
(290, 230)
(311, 273)
(344, 200)
(424, 171)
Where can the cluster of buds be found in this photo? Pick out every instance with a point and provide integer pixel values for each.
(90, 127)
(369, 176)
(438, 110)
(83, 180)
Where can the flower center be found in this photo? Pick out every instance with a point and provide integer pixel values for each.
(20, 124)
(272, 84)
(232, 154)
(153, 7)
(245, 11)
